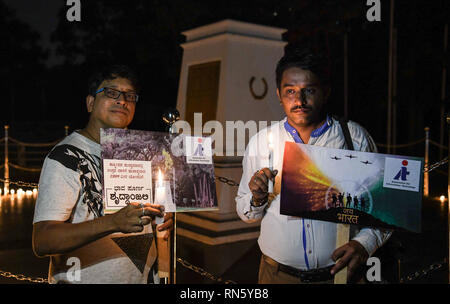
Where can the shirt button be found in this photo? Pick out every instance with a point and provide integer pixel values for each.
(310, 252)
(307, 225)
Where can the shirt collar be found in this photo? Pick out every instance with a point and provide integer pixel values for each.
(316, 133)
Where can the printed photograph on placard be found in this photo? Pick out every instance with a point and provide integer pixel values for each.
(352, 187)
(176, 180)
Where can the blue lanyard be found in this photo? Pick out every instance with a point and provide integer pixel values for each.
(316, 133)
(304, 244)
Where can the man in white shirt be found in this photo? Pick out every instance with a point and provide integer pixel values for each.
(297, 250)
(69, 220)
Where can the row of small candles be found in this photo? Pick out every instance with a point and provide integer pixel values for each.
(19, 192)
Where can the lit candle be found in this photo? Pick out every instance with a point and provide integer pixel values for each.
(270, 139)
(160, 195)
(162, 244)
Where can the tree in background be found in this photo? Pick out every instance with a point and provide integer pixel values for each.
(21, 69)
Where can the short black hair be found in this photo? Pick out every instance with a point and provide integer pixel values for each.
(305, 59)
(110, 72)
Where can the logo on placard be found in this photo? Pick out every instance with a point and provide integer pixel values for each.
(403, 171)
(402, 174)
(199, 149)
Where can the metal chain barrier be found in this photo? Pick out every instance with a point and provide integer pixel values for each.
(196, 269)
(430, 168)
(438, 145)
(20, 183)
(203, 272)
(424, 272)
(415, 276)
(227, 181)
(35, 145)
(24, 168)
(7, 140)
(21, 277)
(401, 145)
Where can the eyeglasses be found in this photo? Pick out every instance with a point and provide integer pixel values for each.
(115, 94)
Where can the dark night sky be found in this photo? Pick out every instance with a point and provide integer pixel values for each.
(41, 15)
(419, 23)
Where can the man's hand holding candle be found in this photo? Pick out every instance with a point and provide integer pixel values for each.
(259, 185)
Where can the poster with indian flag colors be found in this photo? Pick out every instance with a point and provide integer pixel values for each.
(352, 187)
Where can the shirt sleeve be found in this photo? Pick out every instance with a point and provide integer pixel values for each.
(372, 239)
(59, 190)
(245, 211)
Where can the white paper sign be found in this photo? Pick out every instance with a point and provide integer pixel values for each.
(198, 150)
(126, 181)
(402, 174)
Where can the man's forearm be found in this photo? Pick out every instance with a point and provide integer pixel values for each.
(54, 237)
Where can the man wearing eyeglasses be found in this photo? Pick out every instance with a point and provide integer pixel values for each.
(69, 221)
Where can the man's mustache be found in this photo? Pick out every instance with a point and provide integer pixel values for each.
(299, 108)
(120, 108)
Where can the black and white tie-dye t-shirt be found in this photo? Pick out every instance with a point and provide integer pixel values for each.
(70, 190)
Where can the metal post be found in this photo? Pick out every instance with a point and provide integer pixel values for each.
(394, 91)
(389, 107)
(425, 175)
(174, 276)
(170, 117)
(443, 88)
(6, 175)
(346, 74)
(174, 251)
(448, 201)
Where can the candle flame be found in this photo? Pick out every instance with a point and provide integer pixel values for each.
(270, 139)
(160, 178)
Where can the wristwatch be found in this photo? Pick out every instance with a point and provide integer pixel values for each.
(255, 203)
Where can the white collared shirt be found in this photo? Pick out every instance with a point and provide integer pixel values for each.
(281, 236)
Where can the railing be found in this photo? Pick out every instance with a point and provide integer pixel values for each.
(23, 156)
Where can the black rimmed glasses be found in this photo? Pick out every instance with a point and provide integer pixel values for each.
(115, 94)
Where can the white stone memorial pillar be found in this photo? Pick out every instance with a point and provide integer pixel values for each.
(228, 74)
